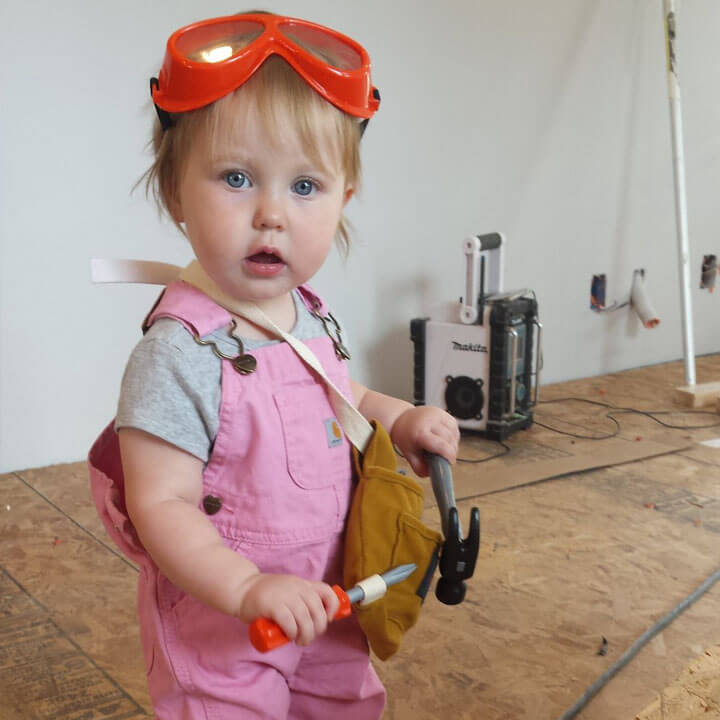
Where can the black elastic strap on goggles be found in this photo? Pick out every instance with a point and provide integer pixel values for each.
(164, 116)
(364, 123)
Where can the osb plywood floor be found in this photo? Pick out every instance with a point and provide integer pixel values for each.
(563, 564)
(695, 694)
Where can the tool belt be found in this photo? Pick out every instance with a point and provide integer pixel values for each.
(384, 529)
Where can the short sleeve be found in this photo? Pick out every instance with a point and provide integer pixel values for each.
(166, 394)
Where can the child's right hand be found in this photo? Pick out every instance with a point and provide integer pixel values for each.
(302, 608)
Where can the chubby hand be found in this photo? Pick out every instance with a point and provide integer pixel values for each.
(425, 429)
(302, 608)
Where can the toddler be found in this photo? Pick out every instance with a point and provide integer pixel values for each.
(225, 474)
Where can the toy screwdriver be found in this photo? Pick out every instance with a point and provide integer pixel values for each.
(266, 634)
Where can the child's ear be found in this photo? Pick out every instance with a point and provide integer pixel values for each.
(349, 192)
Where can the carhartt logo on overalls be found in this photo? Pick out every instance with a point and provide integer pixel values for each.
(334, 434)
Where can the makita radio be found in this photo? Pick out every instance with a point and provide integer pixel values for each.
(480, 358)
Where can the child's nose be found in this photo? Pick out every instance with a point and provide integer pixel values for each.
(269, 213)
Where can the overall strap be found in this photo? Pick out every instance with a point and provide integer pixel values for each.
(193, 308)
(312, 301)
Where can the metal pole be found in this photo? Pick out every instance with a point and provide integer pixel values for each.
(680, 198)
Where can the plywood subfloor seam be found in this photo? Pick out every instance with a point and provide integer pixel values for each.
(700, 461)
(47, 617)
(78, 525)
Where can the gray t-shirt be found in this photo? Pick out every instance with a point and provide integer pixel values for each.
(171, 385)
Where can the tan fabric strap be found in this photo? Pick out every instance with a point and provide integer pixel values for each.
(357, 429)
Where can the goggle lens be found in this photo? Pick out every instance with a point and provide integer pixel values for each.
(322, 45)
(219, 41)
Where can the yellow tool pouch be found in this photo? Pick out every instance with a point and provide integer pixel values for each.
(385, 529)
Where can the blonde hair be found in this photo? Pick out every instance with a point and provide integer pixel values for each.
(284, 103)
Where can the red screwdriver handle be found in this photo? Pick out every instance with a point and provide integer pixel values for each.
(267, 635)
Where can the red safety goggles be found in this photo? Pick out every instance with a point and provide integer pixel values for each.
(209, 59)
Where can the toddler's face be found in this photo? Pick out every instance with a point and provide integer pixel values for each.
(261, 218)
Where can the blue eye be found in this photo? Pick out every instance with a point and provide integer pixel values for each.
(304, 187)
(236, 179)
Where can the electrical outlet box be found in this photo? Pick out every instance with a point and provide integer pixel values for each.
(597, 292)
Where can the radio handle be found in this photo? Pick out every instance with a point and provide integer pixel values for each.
(513, 372)
(469, 309)
(490, 246)
(538, 360)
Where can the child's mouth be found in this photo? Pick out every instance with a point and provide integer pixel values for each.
(264, 264)
(264, 258)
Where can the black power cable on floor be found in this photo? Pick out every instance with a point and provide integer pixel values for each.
(629, 654)
(614, 410)
(487, 459)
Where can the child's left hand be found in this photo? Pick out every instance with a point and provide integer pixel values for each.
(425, 429)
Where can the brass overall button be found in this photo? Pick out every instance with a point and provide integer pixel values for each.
(212, 504)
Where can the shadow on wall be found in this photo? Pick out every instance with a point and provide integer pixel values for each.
(390, 355)
(390, 363)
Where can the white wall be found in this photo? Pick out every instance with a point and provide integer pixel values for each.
(548, 121)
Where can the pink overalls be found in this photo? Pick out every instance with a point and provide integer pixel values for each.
(276, 487)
